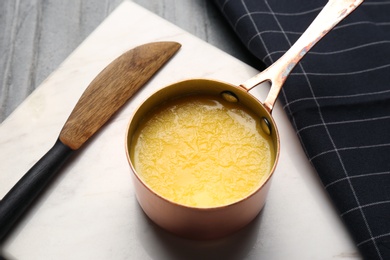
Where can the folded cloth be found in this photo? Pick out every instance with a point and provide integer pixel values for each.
(338, 100)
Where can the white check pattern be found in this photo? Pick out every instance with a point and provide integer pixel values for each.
(338, 100)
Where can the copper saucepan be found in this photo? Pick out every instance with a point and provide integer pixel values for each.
(214, 222)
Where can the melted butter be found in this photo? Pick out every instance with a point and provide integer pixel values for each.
(202, 151)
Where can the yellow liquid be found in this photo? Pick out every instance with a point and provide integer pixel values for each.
(202, 151)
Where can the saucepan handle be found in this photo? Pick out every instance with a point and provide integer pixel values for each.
(332, 13)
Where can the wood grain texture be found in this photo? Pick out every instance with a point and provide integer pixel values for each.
(112, 88)
(37, 35)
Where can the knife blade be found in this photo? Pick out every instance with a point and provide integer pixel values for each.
(109, 91)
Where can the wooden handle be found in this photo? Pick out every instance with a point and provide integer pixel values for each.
(19, 198)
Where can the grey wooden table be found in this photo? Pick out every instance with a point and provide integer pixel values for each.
(37, 35)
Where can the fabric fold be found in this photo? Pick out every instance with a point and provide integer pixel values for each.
(338, 100)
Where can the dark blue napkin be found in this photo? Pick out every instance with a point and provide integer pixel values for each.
(338, 100)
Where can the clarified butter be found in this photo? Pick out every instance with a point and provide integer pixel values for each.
(202, 151)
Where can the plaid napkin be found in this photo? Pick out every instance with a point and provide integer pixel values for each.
(338, 100)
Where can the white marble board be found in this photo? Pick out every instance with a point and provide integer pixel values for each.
(90, 211)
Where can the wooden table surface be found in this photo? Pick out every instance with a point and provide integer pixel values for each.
(37, 35)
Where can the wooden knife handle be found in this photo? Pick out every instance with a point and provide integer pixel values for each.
(19, 198)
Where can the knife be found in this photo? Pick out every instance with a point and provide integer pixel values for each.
(111, 88)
